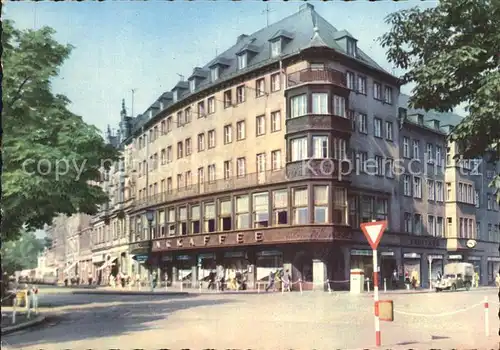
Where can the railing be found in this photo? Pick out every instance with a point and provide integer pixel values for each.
(314, 75)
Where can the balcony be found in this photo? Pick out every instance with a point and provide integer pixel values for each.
(319, 122)
(309, 75)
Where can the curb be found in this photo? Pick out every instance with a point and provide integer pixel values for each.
(11, 329)
(111, 292)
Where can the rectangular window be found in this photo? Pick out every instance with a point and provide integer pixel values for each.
(188, 178)
(320, 103)
(362, 123)
(439, 226)
(406, 147)
(388, 95)
(201, 142)
(417, 187)
(242, 212)
(416, 149)
(180, 149)
(195, 219)
(275, 121)
(211, 105)
(260, 125)
(298, 106)
(320, 147)
(276, 160)
(339, 106)
(407, 223)
(381, 209)
(260, 209)
(439, 160)
(163, 157)
(211, 139)
(211, 173)
(407, 185)
(261, 162)
(431, 194)
(242, 61)
(201, 176)
(260, 87)
(180, 181)
(339, 205)
(209, 217)
(214, 73)
(361, 85)
(240, 94)
(228, 134)
(321, 204)
(227, 169)
(182, 221)
(201, 109)
(228, 98)
(431, 225)
(377, 127)
(225, 211)
(240, 167)
(187, 146)
(379, 166)
(351, 80)
(240, 130)
(298, 149)
(430, 153)
(275, 82)
(280, 207)
(339, 149)
(389, 168)
(389, 132)
(377, 91)
(276, 48)
(300, 206)
(417, 224)
(439, 191)
(169, 184)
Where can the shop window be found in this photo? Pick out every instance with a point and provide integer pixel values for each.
(261, 209)
(161, 221)
(354, 211)
(242, 212)
(381, 209)
(339, 205)
(225, 221)
(280, 207)
(171, 222)
(195, 219)
(209, 215)
(367, 209)
(321, 204)
(182, 221)
(300, 206)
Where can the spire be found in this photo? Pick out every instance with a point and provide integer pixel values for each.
(316, 39)
(123, 112)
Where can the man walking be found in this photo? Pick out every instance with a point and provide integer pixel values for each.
(271, 281)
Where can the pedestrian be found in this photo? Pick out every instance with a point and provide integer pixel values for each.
(394, 279)
(166, 278)
(154, 280)
(286, 281)
(270, 283)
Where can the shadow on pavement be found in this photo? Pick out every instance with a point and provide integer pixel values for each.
(104, 321)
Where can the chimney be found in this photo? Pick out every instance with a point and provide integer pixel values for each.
(241, 37)
(306, 7)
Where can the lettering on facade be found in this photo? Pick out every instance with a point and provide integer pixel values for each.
(179, 242)
(258, 237)
(424, 243)
(222, 239)
(167, 244)
(191, 242)
(158, 244)
(206, 239)
(239, 238)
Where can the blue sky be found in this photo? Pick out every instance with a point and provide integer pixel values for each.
(125, 45)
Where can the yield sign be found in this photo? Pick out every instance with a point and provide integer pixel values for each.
(373, 232)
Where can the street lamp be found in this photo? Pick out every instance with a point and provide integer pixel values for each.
(150, 215)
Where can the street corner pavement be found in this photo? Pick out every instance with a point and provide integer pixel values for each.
(25, 323)
(119, 291)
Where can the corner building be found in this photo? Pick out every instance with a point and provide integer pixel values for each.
(268, 157)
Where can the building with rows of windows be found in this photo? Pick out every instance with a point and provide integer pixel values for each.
(272, 154)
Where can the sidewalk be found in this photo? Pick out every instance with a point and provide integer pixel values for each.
(132, 291)
(22, 321)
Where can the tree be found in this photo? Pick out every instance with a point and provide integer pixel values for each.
(21, 254)
(452, 54)
(51, 157)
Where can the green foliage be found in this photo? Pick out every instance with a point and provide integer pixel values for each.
(39, 126)
(452, 53)
(21, 254)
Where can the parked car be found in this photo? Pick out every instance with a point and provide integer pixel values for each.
(456, 276)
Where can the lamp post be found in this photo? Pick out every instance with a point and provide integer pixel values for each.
(150, 215)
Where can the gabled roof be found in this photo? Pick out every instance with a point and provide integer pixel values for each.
(281, 34)
(248, 47)
(222, 61)
(181, 85)
(445, 118)
(342, 34)
(199, 73)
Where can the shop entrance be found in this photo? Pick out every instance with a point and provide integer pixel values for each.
(387, 267)
(302, 267)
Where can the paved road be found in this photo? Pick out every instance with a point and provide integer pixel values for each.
(259, 321)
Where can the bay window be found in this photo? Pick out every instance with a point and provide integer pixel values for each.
(381, 209)
(195, 219)
(339, 106)
(320, 147)
(300, 206)
(280, 207)
(242, 215)
(298, 148)
(339, 149)
(339, 205)
(321, 204)
(261, 209)
(354, 211)
(367, 209)
(298, 106)
(225, 215)
(320, 103)
(209, 217)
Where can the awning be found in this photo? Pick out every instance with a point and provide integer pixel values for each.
(110, 262)
(70, 266)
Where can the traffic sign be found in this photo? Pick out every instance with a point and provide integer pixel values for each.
(373, 232)
(140, 258)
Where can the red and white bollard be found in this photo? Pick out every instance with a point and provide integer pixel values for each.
(486, 317)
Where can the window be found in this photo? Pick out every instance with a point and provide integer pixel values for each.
(275, 121)
(377, 91)
(201, 176)
(300, 206)
(260, 125)
(276, 160)
(228, 134)
(209, 217)
(351, 80)
(476, 199)
(240, 130)
(388, 95)
(389, 168)
(180, 149)
(379, 166)
(362, 160)
(431, 225)
(242, 61)
(448, 191)
(188, 178)
(381, 209)
(354, 211)
(261, 162)
(339, 149)
(242, 212)
(320, 103)
(280, 207)
(377, 127)
(240, 167)
(417, 187)
(211, 139)
(201, 142)
(389, 132)
(439, 160)
(321, 204)
(407, 185)
(171, 222)
(431, 194)
(182, 221)
(430, 153)
(367, 213)
(180, 119)
(417, 224)
(416, 149)
(187, 146)
(339, 205)
(169, 185)
(214, 73)
(316, 66)
(211, 105)
(211, 173)
(406, 147)
(195, 219)
(362, 123)
(276, 48)
(275, 82)
(187, 115)
(260, 87)
(361, 85)
(351, 47)
(261, 209)
(227, 169)
(225, 222)
(439, 191)
(339, 106)
(240, 94)
(320, 147)
(228, 98)
(407, 222)
(439, 226)
(201, 109)
(163, 157)
(192, 85)
(180, 181)
(298, 106)
(298, 149)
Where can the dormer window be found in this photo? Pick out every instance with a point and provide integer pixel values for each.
(192, 85)
(276, 48)
(161, 106)
(214, 73)
(150, 114)
(351, 47)
(174, 96)
(242, 61)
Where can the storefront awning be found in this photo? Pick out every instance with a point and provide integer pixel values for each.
(70, 266)
(110, 262)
